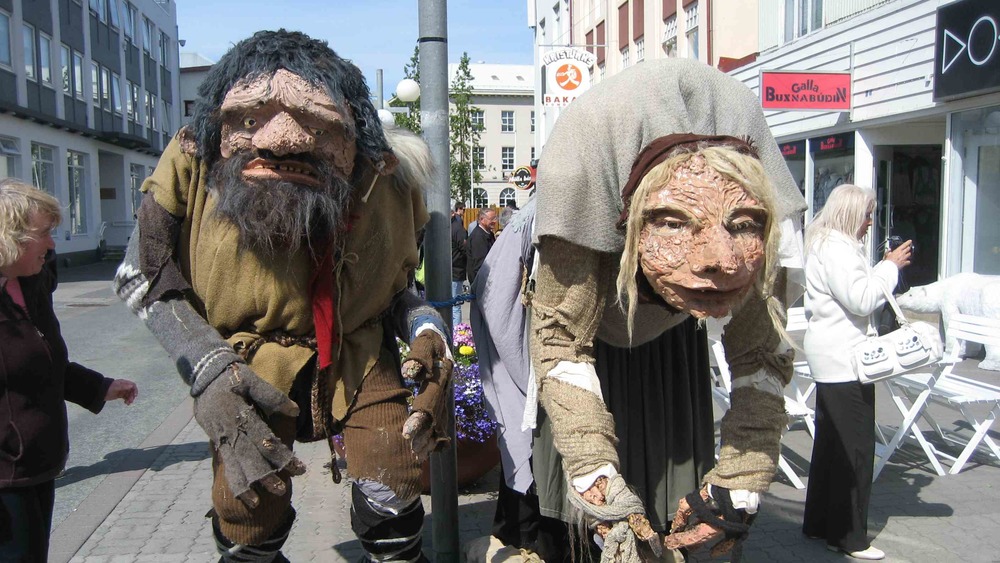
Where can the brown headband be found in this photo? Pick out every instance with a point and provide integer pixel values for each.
(669, 145)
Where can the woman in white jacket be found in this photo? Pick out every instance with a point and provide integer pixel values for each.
(842, 291)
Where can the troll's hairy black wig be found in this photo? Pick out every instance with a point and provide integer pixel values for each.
(264, 54)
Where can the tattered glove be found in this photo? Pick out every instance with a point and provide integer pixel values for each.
(229, 410)
(710, 521)
(427, 363)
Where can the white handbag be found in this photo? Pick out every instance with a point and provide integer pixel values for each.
(911, 346)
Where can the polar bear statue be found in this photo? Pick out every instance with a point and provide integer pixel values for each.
(968, 294)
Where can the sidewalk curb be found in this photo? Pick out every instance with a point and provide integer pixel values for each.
(74, 531)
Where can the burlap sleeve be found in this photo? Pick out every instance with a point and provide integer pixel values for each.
(570, 289)
(751, 429)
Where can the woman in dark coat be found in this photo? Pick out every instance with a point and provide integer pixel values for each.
(36, 376)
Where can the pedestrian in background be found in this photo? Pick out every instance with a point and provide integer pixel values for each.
(36, 376)
(481, 241)
(459, 259)
(842, 291)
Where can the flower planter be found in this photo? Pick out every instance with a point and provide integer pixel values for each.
(475, 459)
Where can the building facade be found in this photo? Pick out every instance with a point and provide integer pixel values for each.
(622, 33)
(504, 96)
(923, 124)
(88, 93)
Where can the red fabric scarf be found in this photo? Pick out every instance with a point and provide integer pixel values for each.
(323, 295)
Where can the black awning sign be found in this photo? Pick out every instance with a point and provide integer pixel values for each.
(966, 55)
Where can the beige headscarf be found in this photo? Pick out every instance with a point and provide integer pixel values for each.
(589, 155)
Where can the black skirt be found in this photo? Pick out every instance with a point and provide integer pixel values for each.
(660, 394)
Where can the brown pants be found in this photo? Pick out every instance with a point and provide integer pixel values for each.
(375, 447)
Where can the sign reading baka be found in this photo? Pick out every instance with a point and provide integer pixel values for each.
(567, 75)
(809, 91)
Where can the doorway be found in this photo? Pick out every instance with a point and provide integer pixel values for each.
(908, 191)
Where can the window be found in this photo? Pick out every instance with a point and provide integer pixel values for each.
(802, 17)
(43, 168)
(75, 174)
(132, 101)
(479, 198)
(129, 23)
(137, 173)
(532, 121)
(147, 35)
(29, 52)
(105, 89)
(164, 48)
(166, 124)
(78, 75)
(506, 121)
(113, 14)
(532, 153)
(479, 158)
(67, 71)
(670, 36)
(600, 71)
(45, 57)
(691, 24)
(640, 49)
(625, 57)
(507, 196)
(10, 155)
(150, 111)
(479, 120)
(507, 159)
(116, 93)
(95, 83)
(95, 6)
(5, 39)
(188, 108)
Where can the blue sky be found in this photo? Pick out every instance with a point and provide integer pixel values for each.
(372, 33)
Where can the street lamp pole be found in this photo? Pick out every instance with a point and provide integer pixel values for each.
(433, 42)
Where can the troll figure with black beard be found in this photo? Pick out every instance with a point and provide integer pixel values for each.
(271, 259)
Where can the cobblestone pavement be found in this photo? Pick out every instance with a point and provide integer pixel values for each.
(916, 516)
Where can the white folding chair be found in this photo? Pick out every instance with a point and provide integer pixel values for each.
(802, 384)
(977, 402)
(722, 389)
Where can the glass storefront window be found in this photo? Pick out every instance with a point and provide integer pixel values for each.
(976, 144)
(833, 165)
(795, 159)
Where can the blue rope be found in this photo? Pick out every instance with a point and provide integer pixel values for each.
(457, 300)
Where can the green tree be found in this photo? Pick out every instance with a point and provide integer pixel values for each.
(411, 119)
(464, 134)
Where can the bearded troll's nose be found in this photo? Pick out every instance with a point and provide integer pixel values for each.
(282, 135)
(718, 254)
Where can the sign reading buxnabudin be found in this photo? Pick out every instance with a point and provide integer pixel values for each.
(812, 91)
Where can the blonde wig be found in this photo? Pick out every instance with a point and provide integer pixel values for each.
(19, 204)
(844, 212)
(743, 169)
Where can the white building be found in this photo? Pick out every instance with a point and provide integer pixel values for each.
(194, 69)
(622, 33)
(924, 132)
(504, 95)
(87, 102)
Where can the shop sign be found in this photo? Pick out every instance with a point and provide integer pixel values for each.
(566, 74)
(793, 150)
(523, 178)
(966, 54)
(809, 91)
(832, 143)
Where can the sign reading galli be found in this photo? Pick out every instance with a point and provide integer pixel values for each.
(566, 75)
(810, 91)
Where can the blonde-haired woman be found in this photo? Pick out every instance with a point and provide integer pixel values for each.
(842, 291)
(36, 376)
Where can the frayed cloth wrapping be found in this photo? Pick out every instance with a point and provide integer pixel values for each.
(620, 502)
(584, 432)
(749, 454)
